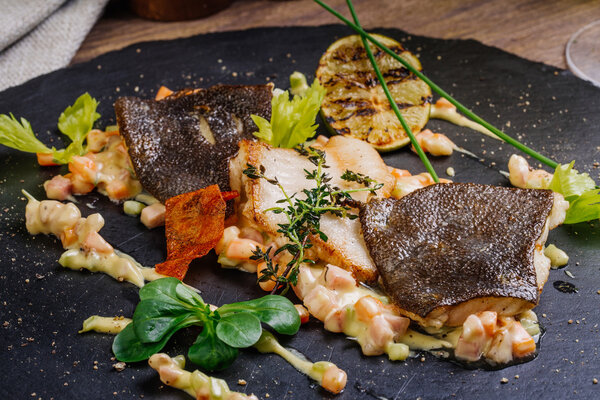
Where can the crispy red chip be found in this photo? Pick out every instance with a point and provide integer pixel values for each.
(230, 195)
(175, 268)
(194, 224)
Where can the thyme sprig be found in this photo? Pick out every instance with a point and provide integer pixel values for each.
(303, 215)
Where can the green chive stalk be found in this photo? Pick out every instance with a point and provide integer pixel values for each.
(392, 102)
(527, 150)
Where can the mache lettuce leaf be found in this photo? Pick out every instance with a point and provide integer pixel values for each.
(75, 122)
(580, 190)
(292, 120)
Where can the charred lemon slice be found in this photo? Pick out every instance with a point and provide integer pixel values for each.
(355, 104)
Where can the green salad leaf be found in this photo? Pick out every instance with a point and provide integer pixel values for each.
(167, 306)
(75, 122)
(580, 190)
(292, 120)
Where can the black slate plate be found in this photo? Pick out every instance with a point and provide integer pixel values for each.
(43, 305)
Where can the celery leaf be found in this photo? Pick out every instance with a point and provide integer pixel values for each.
(580, 190)
(19, 135)
(76, 121)
(292, 120)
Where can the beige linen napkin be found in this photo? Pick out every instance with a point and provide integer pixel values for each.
(40, 36)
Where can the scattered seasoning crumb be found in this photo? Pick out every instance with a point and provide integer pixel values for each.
(577, 263)
(450, 171)
(267, 395)
(516, 376)
(569, 274)
(504, 380)
(27, 280)
(570, 321)
(234, 74)
(95, 368)
(595, 381)
(242, 382)
(544, 314)
(120, 366)
(138, 50)
(422, 359)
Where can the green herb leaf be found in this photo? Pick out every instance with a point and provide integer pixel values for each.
(584, 208)
(276, 311)
(210, 352)
(20, 136)
(153, 319)
(292, 120)
(239, 329)
(128, 348)
(77, 120)
(170, 290)
(569, 182)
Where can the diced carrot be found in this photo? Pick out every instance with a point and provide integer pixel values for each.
(303, 313)
(163, 92)
(118, 190)
(522, 343)
(367, 307)
(68, 237)
(45, 159)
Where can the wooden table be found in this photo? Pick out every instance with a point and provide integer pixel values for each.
(534, 29)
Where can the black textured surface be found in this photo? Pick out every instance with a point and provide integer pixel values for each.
(450, 243)
(44, 305)
(168, 150)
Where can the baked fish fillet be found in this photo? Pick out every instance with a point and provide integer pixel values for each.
(345, 246)
(183, 142)
(450, 250)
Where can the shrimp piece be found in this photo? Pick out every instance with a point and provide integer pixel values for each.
(437, 144)
(521, 175)
(407, 184)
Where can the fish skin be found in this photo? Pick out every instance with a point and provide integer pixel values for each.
(170, 150)
(452, 243)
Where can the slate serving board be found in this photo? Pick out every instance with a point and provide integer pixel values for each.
(43, 305)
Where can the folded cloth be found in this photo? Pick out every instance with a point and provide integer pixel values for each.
(40, 36)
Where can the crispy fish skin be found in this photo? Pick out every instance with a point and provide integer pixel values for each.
(183, 142)
(458, 245)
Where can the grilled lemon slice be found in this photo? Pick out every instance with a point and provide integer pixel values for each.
(355, 104)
